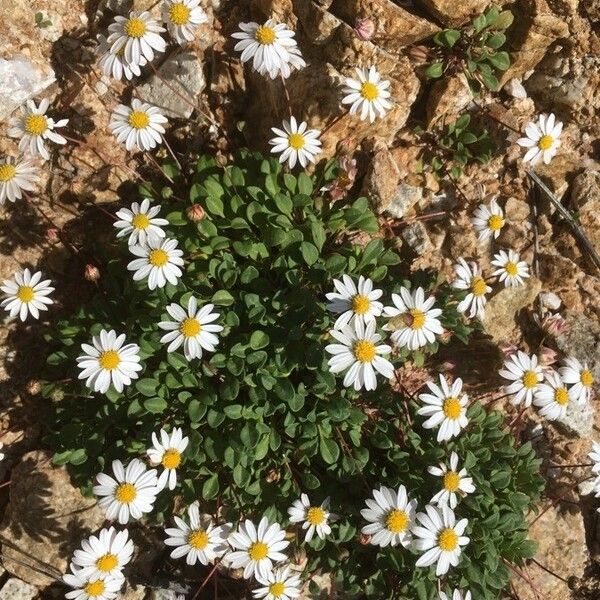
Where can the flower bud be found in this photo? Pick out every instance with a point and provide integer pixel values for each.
(195, 213)
(273, 476)
(364, 28)
(52, 235)
(91, 272)
(34, 387)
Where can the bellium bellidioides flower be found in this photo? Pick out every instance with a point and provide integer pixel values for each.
(182, 18)
(113, 64)
(525, 374)
(139, 126)
(456, 595)
(358, 351)
(455, 482)
(469, 278)
(137, 36)
(33, 128)
(296, 143)
(167, 453)
(280, 584)
(16, 175)
(368, 95)
(354, 301)
(108, 361)
(511, 269)
(579, 377)
(314, 518)
(542, 139)
(26, 294)
(140, 223)
(595, 457)
(552, 397)
(86, 588)
(159, 260)
(488, 221)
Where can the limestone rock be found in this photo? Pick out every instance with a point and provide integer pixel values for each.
(585, 196)
(531, 35)
(503, 308)
(447, 99)
(581, 339)
(381, 181)
(318, 23)
(395, 27)
(579, 419)
(183, 72)
(454, 13)
(45, 519)
(417, 238)
(15, 589)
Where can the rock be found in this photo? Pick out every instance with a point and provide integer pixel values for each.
(22, 79)
(404, 198)
(183, 72)
(585, 197)
(134, 592)
(45, 520)
(502, 310)
(550, 300)
(561, 275)
(416, 236)
(581, 339)
(515, 88)
(318, 23)
(381, 181)
(579, 419)
(454, 13)
(16, 589)
(530, 37)
(447, 99)
(394, 26)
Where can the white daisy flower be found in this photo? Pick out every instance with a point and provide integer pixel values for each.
(359, 353)
(159, 260)
(200, 541)
(391, 515)
(26, 294)
(296, 143)
(456, 483)
(108, 361)
(595, 457)
(446, 408)
(552, 397)
(456, 595)
(440, 538)
(86, 588)
(104, 555)
(33, 128)
(131, 492)
(525, 374)
(182, 17)
(279, 584)
(469, 278)
(271, 47)
(315, 519)
(369, 94)
(194, 329)
(139, 126)
(167, 452)
(488, 221)
(414, 323)
(257, 548)
(137, 35)
(16, 175)
(579, 377)
(140, 223)
(113, 64)
(511, 269)
(542, 139)
(352, 301)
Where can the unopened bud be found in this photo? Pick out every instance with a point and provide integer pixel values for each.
(34, 387)
(52, 235)
(364, 539)
(273, 476)
(91, 272)
(57, 395)
(195, 213)
(547, 356)
(419, 54)
(364, 28)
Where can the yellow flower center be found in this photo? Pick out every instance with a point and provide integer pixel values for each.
(495, 222)
(511, 268)
(109, 360)
(451, 481)
(25, 293)
(448, 539)
(360, 304)
(530, 379)
(125, 493)
(396, 521)
(135, 28)
(296, 141)
(452, 408)
(36, 124)
(190, 327)
(107, 562)
(171, 459)
(369, 91)
(415, 319)
(265, 35)
(138, 119)
(587, 379)
(364, 351)
(94, 588)
(545, 142)
(179, 14)
(258, 551)
(315, 515)
(140, 221)
(478, 286)
(158, 258)
(198, 539)
(277, 589)
(7, 172)
(561, 396)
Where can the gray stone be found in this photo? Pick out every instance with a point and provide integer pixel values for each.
(15, 589)
(579, 419)
(183, 73)
(515, 88)
(405, 197)
(550, 300)
(581, 339)
(416, 236)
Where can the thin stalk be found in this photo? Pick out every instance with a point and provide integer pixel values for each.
(205, 582)
(168, 146)
(157, 165)
(541, 566)
(287, 96)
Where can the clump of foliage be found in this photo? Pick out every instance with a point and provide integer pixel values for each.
(41, 22)
(266, 419)
(450, 147)
(475, 50)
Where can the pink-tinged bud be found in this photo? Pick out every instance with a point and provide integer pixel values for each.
(364, 539)
(547, 356)
(445, 336)
(195, 213)
(364, 28)
(52, 235)
(91, 272)
(508, 350)
(554, 324)
(273, 476)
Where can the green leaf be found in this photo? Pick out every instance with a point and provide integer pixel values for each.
(310, 254)
(210, 488)
(258, 339)
(496, 41)
(222, 298)
(501, 60)
(371, 253)
(435, 70)
(318, 234)
(447, 38)
(329, 450)
(147, 387)
(284, 204)
(305, 184)
(155, 405)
